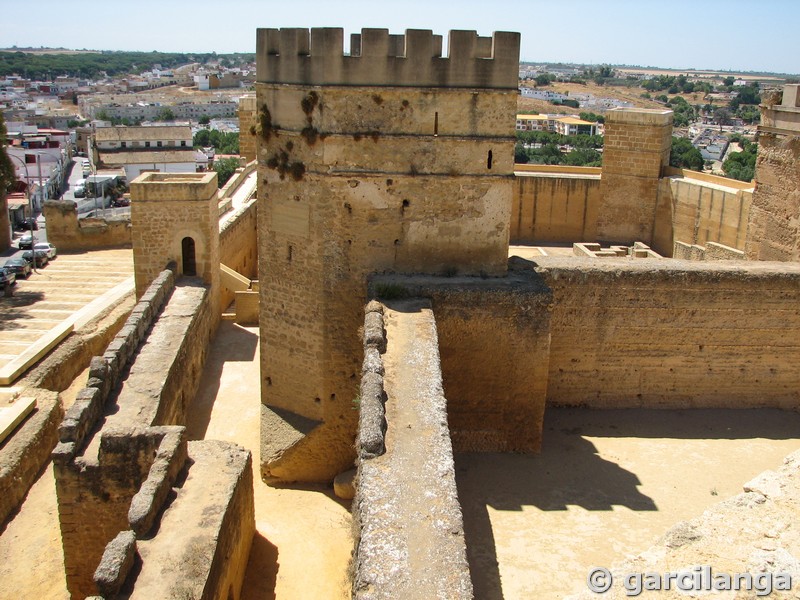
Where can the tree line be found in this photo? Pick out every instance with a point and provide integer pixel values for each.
(92, 65)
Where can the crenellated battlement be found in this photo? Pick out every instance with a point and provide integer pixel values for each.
(377, 58)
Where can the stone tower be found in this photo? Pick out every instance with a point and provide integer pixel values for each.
(636, 149)
(175, 217)
(393, 158)
(773, 229)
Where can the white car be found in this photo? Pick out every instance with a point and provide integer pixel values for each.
(47, 247)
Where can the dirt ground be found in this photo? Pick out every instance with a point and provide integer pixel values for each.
(607, 484)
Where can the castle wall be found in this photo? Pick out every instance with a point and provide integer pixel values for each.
(701, 212)
(23, 454)
(238, 244)
(636, 149)
(495, 398)
(369, 163)
(680, 335)
(99, 472)
(398, 553)
(555, 206)
(774, 224)
(67, 232)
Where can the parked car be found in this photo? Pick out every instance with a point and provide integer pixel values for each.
(27, 225)
(47, 247)
(26, 241)
(20, 267)
(41, 257)
(7, 277)
(79, 191)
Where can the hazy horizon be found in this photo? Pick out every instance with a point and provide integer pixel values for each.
(732, 35)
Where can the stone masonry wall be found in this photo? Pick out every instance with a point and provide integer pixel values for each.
(698, 212)
(774, 225)
(238, 245)
(636, 148)
(554, 207)
(98, 473)
(677, 335)
(67, 232)
(23, 454)
(403, 550)
(356, 179)
(495, 399)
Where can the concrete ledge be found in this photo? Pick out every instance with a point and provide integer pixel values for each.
(13, 414)
(23, 454)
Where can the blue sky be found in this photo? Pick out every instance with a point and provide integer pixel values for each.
(732, 35)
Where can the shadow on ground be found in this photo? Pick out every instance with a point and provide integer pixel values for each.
(569, 471)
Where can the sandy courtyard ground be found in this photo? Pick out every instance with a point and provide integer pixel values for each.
(607, 484)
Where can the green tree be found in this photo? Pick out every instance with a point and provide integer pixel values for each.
(165, 114)
(583, 157)
(722, 116)
(204, 120)
(7, 173)
(592, 117)
(225, 168)
(544, 79)
(728, 81)
(520, 154)
(742, 165)
(684, 155)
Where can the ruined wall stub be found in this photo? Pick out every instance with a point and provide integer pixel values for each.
(392, 159)
(636, 149)
(247, 130)
(773, 231)
(168, 210)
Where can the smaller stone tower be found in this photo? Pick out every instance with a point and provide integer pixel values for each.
(773, 229)
(637, 146)
(175, 217)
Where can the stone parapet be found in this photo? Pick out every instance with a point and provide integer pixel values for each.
(410, 531)
(316, 57)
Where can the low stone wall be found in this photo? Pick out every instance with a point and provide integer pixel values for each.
(202, 544)
(67, 232)
(500, 328)
(409, 527)
(116, 478)
(23, 455)
(238, 246)
(711, 251)
(672, 334)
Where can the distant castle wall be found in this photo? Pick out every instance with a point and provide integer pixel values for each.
(67, 232)
(554, 204)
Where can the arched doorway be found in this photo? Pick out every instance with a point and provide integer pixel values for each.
(187, 251)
